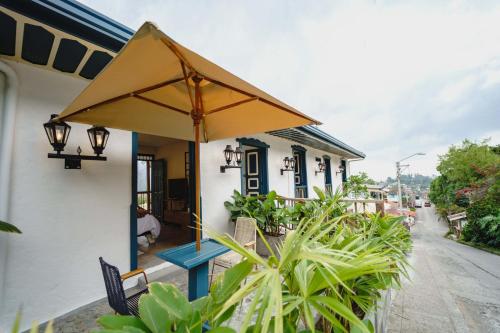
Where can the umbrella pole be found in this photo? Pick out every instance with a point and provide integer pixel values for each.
(197, 180)
(197, 116)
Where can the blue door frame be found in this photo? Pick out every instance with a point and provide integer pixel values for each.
(263, 158)
(300, 173)
(133, 204)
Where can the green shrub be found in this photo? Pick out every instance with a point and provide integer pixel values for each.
(329, 273)
(483, 223)
(482, 208)
(332, 264)
(485, 230)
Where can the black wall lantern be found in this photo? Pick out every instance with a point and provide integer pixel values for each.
(340, 170)
(321, 166)
(288, 165)
(229, 154)
(98, 137)
(58, 132)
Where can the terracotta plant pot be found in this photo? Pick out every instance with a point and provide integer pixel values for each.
(273, 243)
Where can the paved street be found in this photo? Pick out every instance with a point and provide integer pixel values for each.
(453, 288)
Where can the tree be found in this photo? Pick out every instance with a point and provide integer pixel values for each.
(356, 185)
(469, 180)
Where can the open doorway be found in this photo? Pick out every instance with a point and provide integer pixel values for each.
(163, 196)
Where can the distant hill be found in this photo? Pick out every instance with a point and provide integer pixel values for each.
(414, 181)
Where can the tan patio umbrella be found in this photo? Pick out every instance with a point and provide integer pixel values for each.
(157, 86)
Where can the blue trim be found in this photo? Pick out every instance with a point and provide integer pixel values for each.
(301, 151)
(264, 186)
(133, 205)
(252, 142)
(343, 163)
(75, 19)
(298, 148)
(86, 15)
(263, 163)
(319, 134)
(328, 170)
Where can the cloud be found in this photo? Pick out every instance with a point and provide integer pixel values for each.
(387, 77)
(456, 90)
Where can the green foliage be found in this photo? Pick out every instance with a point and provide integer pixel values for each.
(412, 180)
(268, 210)
(271, 214)
(334, 264)
(356, 186)
(465, 165)
(470, 179)
(165, 308)
(34, 327)
(483, 224)
(489, 231)
(7, 227)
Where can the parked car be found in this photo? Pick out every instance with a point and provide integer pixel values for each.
(427, 204)
(418, 202)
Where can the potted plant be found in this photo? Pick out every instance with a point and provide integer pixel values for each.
(269, 212)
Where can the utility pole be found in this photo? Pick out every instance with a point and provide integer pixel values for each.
(398, 176)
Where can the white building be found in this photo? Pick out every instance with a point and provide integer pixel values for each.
(49, 50)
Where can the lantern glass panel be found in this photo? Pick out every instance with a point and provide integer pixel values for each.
(57, 133)
(98, 137)
(238, 153)
(292, 162)
(228, 154)
(286, 163)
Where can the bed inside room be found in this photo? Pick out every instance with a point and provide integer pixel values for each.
(163, 209)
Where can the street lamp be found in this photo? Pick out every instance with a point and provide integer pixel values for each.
(398, 176)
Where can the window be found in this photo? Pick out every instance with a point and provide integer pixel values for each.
(254, 173)
(300, 173)
(144, 172)
(343, 163)
(328, 175)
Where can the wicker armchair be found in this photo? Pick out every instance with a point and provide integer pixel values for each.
(116, 294)
(245, 233)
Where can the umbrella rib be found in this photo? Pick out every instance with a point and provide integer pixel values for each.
(173, 108)
(225, 85)
(159, 85)
(251, 99)
(132, 94)
(187, 83)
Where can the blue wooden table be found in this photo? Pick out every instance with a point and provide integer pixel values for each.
(196, 262)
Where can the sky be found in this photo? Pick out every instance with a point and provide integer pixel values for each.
(390, 78)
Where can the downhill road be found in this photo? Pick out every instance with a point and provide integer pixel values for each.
(453, 287)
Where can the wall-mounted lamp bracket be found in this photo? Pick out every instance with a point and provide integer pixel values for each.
(74, 161)
(224, 167)
(285, 170)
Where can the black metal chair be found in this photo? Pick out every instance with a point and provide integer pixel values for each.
(116, 294)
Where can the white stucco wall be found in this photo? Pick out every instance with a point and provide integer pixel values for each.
(68, 217)
(217, 187)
